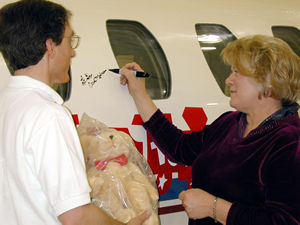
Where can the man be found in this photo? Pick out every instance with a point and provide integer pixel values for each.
(42, 171)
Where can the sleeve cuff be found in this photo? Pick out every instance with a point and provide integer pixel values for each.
(72, 203)
(156, 116)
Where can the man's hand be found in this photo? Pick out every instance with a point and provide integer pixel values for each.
(139, 220)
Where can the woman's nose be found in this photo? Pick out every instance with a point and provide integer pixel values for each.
(73, 53)
(228, 80)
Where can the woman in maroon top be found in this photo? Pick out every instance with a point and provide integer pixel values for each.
(246, 164)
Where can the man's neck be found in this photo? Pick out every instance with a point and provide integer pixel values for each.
(38, 72)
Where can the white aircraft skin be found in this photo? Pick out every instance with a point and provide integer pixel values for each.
(172, 23)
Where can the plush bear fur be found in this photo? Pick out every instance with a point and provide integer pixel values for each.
(121, 180)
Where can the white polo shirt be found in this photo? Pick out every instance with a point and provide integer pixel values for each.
(42, 170)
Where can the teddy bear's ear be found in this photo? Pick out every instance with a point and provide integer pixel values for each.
(89, 125)
(85, 141)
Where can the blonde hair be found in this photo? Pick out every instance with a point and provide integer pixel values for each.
(270, 61)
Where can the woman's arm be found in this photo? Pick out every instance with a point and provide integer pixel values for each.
(137, 90)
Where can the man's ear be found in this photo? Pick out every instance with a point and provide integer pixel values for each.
(50, 47)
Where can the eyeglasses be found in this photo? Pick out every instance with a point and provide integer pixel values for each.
(75, 40)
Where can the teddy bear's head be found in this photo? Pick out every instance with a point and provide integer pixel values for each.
(105, 145)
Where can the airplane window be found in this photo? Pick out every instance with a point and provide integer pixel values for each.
(290, 35)
(133, 42)
(64, 90)
(213, 38)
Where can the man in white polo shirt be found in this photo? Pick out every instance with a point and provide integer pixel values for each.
(42, 170)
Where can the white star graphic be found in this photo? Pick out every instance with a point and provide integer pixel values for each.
(162, 181)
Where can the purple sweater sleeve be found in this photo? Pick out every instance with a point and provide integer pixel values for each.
(176, 146)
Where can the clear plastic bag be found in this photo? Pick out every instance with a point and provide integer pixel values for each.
(122, 181)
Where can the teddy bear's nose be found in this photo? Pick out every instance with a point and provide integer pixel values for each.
(111, 137)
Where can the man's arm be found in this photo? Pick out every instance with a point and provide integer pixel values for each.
(92, 215)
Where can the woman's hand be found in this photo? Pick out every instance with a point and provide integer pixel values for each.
(197, 203)
(136, 86)
(137, 90)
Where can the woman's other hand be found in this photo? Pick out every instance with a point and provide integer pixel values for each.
(197, 203)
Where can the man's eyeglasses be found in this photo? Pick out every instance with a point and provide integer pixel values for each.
(75, 40)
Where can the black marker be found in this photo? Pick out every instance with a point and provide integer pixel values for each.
(136, 73)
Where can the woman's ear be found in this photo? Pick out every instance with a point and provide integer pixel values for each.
(50, 47)
(267, 92)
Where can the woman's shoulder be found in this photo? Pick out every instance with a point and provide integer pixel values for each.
(229, 116)
(225, 121)
(289, 128)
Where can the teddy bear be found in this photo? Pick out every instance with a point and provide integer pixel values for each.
(121, 180)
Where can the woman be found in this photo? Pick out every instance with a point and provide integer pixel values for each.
(246, 164)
